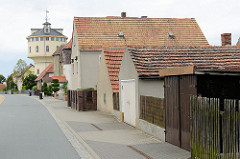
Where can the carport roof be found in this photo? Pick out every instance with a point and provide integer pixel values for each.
(149, 61)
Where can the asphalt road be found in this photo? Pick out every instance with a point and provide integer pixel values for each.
(28, 131)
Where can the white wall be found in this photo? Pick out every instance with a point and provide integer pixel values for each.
(67, 71)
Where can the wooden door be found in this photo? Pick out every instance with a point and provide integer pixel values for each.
(187, 89)
(178, 90)
(172, 110)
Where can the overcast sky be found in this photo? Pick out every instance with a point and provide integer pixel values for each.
(19, 16)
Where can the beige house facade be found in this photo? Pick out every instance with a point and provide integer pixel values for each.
(108, 84)
(42, 43)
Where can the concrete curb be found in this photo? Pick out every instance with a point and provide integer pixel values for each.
(72, 136)
(2, 98)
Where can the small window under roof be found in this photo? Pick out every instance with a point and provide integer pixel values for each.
(120, 34)
(171, 35)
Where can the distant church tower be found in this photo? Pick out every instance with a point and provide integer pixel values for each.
(42, 43)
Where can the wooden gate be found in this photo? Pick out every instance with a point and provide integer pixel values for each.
(178, 90)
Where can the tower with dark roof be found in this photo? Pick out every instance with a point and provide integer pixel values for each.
(42, 43)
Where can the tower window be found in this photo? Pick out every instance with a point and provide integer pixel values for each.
(47, 30)
(47, 38)
(30, 49)
(52, 38)
(37, 49)
(41, 38)
(37, 71)
(47, 48)
(36, 39)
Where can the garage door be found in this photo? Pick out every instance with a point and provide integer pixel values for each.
(128, 101)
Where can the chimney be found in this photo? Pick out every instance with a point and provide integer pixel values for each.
(123, 14)
(144, 17)
(226, 39)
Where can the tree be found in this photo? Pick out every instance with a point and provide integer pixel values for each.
(20, 69)
(2, 79)
(29, 81)
(55, 85)
(10, 82)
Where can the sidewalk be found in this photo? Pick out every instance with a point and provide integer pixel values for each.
(1, 98)
(105, 137)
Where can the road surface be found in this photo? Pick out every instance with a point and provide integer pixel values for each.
(28, 131)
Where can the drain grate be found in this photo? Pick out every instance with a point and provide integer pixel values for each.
(139, 152)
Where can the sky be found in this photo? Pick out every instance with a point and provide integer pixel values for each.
(19, 16)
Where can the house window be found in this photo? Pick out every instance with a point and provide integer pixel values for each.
(57, 47)
(37, 49)
(36, 39)
(37, 71)
(47, 38)
(77, 66)
(57, 39)
(30, 49)
(104, 98)
(99, 58)
(32, 39)
(51, 74)
(41, 38)
(47, 48)
(73, 68)
(52, 38)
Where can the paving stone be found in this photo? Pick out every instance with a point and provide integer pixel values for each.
(113, 151)
(81, 127)
(163, 151)
(113, 126)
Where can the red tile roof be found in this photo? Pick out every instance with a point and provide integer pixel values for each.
(2, 86)
(68, 45)
(95, 32)
(212, 58)
(113, 57)
(61, 79)
(48, 69)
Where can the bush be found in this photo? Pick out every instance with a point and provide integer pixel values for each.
(24, 88)
(34, 88)
(49, 90)
(64, 87)
(44, 88)
(85, 89)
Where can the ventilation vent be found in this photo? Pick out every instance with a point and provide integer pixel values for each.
(171, 35)
(120, 34)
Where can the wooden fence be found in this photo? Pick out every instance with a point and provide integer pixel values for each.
(214, 133)
(152, 110)
(82, 100)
